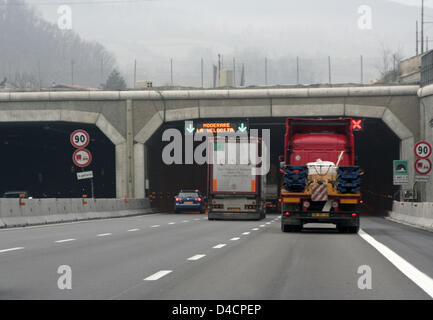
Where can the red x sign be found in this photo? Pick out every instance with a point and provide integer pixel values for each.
(356, 125)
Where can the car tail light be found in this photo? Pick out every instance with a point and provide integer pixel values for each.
(178, 199)
(353, 214)
(306, 204)
(287, 214)
(198, 199)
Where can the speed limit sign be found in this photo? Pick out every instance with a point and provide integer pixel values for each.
(80, 138)
(423, 150)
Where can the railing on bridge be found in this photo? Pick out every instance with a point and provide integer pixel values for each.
(427, 68)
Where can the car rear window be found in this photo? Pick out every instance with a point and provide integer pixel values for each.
(188, 194)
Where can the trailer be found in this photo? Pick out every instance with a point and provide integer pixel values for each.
(233, 191)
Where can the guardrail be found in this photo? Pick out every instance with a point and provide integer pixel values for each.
(25, 212)
(419, 214)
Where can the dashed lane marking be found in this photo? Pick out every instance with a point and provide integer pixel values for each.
(11, 249)
(246, 233)
(158, 275)
(155, 226)
(235, 238)
(219, 246)
(196, 257)
(64, 240)
(104, 234)
(132, 230)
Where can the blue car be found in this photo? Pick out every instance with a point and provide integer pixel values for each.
(189, 200)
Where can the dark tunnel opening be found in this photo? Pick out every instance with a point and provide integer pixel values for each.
(37, 157)
(375, 149)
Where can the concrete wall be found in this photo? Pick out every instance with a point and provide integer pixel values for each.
(426, 132)
(419, 214)
(25, 212)
(130, 118)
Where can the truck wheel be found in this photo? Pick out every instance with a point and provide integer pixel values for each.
(285, 228)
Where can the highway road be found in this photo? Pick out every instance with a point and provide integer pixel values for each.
(185, 256)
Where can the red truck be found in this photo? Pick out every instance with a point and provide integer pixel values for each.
(320, 182)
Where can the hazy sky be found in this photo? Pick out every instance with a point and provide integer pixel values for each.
(186, 30)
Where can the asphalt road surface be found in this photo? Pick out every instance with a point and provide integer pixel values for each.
(185, 256)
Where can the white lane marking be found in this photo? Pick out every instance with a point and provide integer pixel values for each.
(158, 275)
(255, 229)
(235, 238)
(268, 223)
(172, 223)
(132, 230)
(245, 233)
(262, 225)
(196, 257)
(11, 249)
(64, 240)
(104, 234)
(419, 278)
(155, 226)
(219, 246)
(185, 221)
(196, 219)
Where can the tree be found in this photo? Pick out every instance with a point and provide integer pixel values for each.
(115, 81)
(390, 69)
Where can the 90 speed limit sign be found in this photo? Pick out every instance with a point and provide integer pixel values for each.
(423, 150)
(80, 138)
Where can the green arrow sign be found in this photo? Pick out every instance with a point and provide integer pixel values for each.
(242, 127)
(190, 128)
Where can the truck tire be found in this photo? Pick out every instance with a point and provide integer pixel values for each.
(290, 228)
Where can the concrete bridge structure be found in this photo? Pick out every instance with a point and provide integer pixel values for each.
(130, 118)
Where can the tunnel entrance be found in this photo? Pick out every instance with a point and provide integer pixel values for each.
(376, 147)
(37, 157)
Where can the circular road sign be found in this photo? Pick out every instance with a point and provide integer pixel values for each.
(82, 158)
(423, 166)
(80, 138)
(423, 150)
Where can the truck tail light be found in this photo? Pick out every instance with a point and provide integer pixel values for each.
(306, 204)
(353, 214)
(250, 206)
(218, 206)
(335, 204)
(287, 213)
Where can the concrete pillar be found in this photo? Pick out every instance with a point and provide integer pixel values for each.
(129, 149)
(406, 153)
(140, 172)
(121, 171)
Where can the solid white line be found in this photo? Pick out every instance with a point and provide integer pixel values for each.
(245, 233)
(235, 238)
(155, 226)
(103, 234)
(419, 278)
(255, 229)
(158, 275)
(65, 240)
(219, 246)
(132, 230)
(11, 249)
(196, 257)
